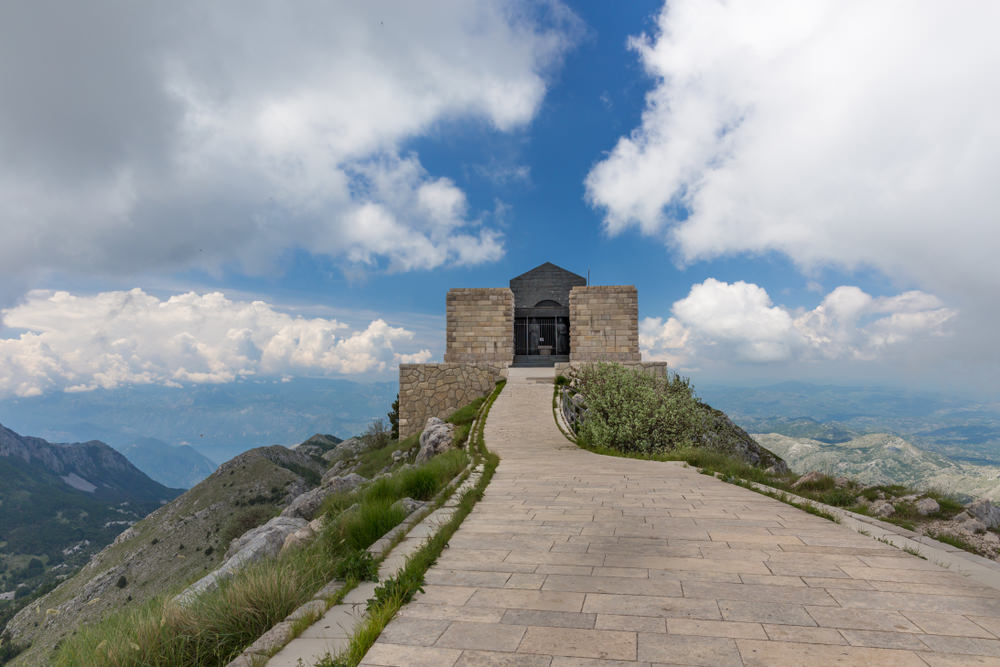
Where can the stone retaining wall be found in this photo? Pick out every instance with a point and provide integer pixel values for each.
(480, 325)
(604, 323)
(437, 390)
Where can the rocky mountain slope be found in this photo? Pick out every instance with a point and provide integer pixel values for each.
(61, 503)
(882, 458)
(176, 544)
(177, 466)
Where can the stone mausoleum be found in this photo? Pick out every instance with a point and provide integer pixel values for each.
(546, 317)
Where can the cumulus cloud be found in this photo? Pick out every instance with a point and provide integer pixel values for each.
(78, 343)
(182, 134)
(845, 133)
(721, 322)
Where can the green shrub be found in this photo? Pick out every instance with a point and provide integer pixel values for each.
(356, 565)
(633, 411)
(418, 483)
(844, 497)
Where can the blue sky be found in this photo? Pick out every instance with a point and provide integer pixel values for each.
(798, 190)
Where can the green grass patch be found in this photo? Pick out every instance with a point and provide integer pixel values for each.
(466, 414)
(959, 542)
(374, 518)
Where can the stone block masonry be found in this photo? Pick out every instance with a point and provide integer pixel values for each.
(480, 326)
(437, 390)
(604, 323)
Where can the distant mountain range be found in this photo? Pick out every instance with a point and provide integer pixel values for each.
(882, 458)
(61, 503)
(175, 545)
(963, 429)
(218, 421)
(176, 466)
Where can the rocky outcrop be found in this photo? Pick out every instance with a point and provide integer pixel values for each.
(986, 512)
(260, 542)
(306, 505)
(438, 436)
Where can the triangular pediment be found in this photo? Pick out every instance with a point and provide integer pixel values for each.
(548, 268)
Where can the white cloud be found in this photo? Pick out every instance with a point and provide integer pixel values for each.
(79, 343)
(724, 323)
(191, 134)
(849, 133)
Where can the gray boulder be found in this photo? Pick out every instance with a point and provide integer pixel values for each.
(986, 512)
(265, 540)
(436, 438)
(251, 546)
(882, 508)
(927, 506)
(307, 504)
(409, 505)
(808, 478)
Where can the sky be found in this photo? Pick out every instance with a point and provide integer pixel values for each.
(206, 193)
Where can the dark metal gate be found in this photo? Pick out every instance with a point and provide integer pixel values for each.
(541, 335)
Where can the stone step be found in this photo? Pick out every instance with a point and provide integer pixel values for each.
(538, 360)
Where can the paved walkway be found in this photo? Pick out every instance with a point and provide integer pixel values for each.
(578, 559)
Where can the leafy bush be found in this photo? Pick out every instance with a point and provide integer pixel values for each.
(633, 411)
(356, 565)
(844, 497)
(399, 590)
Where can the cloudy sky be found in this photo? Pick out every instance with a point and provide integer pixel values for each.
(206, 192)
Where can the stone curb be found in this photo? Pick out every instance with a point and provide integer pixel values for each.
(984, 570)
(280, 635)
(968, 564)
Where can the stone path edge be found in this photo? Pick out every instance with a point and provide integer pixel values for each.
(468, 479)
(983, 570)
(268, 644)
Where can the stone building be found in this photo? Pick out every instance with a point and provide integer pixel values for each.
(546, 317)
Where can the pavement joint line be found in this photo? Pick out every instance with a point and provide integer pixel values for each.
(740, 597)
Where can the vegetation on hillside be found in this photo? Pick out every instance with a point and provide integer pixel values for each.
(224, 621)
(632, 411)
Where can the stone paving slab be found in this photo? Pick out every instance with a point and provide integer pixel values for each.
(577, 559)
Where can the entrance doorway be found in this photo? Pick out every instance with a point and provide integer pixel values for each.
(543, 336)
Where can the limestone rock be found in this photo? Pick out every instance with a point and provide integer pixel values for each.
(436, 438)
(266, 539)
(986, 512)
(808, 478)
(974, 526)
(841, 482)
(262, 541)
(409, 505)
(298, 539)
(882, 508)
(927, 506)
(306, 505)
